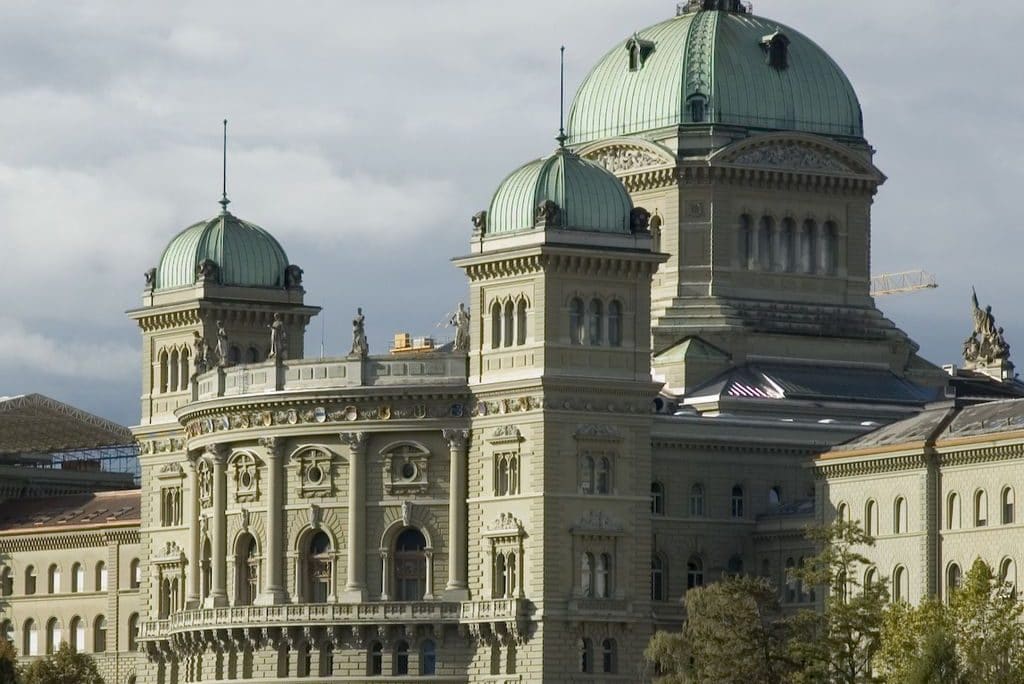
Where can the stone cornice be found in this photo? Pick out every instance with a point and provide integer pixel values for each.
(986, 454)
(872, 466)
(54, 538)
(739, 445)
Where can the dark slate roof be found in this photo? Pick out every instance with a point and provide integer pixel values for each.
(987, 419)
(771, 380)
(917, 428)
(72, 511)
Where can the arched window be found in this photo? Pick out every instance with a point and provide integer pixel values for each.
(510, 584)
(775, 496)
(500, 576)
(603, 476)
(234, 355)
(787, 242)
(133, 632)
(76, 635)
(53, 580)
(183, 370)
(614, 324)
(870, 577)
(608, 656)
(871, 518)
(428, 658)
(587, 474)
(830, 251)
(411, 565)
(6, 582)
(735, 566)
(252, 355)
(899, 516)
(1008, 574)
(174, 367)
(30, 580)
(77, 578)
(595, 312)
(30, 634)
(657, 498)
(808, 245)
(134, 574)
(657, 578)
(765, 249)
(587, 574)
(163, 371)
(586, 647)
(164, 605)
(7, 631)
(53, 636)
(953, 577)
(375, 666)
(402, 658)
(507, 323)
(206, 569)
(1007, 505)
(101, 576)
(513, 474)
(980, 508)
(745, 243)
(736, 506)
(99, 635)
(576, 321)
(495, 325)
(842, 512)
(697, 500)
(319, 568)
(900, 584)
(246, 570)
(603, 585)
(953, 511)
(694, 572)
(521, 322)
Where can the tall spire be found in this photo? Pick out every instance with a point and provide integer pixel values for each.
(224, 201)
(562, 137)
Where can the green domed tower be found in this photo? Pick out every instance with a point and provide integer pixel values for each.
(745, 140)
(209, 303)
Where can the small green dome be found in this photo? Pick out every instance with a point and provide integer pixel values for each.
(586, 196)
(243, 255)
(715, 67)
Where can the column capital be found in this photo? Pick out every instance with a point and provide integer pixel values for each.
(218, 453)
(456, 438)
(273, 445)
(356, 441)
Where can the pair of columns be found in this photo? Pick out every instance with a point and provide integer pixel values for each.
(274, 591)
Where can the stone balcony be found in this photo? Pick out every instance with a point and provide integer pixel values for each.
(310, 615)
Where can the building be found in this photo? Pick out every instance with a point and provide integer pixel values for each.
(671, 320)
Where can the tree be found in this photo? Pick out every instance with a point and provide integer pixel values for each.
(985, 615)
(839, 643)
(918, 646)
(63, 667)
(9, 672)
(734, 632)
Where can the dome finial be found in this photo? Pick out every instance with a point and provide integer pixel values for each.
(562, 137)
(224, 201)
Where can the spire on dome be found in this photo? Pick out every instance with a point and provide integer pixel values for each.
(224, 201)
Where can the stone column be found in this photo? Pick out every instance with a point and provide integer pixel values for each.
(273, 587)
(192, 597)
(776, 251)
(457, 588)
(385, 575)
(218, 458)
(428, 589)
(821, 258)
(355, 586)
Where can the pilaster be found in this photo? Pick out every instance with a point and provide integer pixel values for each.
(355, 586)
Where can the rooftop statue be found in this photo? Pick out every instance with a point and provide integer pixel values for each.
(987, 344)
(278, 340)
(460, 319)
(360, 347)
(222, 345)
(200, 352)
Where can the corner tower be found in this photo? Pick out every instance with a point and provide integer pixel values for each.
(559, 464)
(746, 142)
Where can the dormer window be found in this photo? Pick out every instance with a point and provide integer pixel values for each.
(639, 50)
(697, 104)
(776, 47)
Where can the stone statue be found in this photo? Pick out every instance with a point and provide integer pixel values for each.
(200, 352)
(360, 347)
(278, 340)
(207, 270)
(222, 345)
(987, 344)
(150, 279)
(548, 213)
(480, 223)
(639, 220)
(293, 277)
(460, 319)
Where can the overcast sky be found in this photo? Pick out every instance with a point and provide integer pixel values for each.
(364, 134)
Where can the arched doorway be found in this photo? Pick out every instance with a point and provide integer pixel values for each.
(410, 565)
(246, 570)
(319, 568)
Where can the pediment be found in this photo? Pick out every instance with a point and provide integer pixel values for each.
(802, 154)
(628, 155)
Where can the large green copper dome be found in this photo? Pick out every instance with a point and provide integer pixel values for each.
(242, 254)
(586, 196)
(719, 67)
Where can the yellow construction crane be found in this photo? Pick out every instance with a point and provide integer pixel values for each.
(904, 281)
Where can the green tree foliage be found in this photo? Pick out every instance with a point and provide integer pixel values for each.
(669, 653)
(9, 672)
(839, 643)
(915, 642)
(63, 667)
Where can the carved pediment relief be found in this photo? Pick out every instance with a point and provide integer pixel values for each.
(794, 155)
(171, 471)
(506, 522)
(628, 156)
(597, 522)
(170, 553)
(602, 432)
